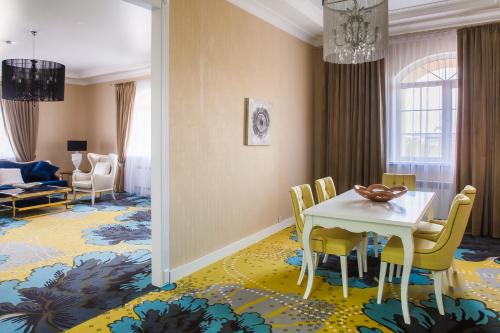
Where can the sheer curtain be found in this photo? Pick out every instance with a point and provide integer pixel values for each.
(138, 165)
(421, 80)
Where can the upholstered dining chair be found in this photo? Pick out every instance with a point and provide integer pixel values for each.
(334, 241)
(434, 256)
(325, 190)
(101, 177)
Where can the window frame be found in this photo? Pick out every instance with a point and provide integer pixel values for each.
(447, 132)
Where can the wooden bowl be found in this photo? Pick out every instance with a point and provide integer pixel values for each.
(380, 193)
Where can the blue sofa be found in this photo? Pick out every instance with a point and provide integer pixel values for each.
(49, 178)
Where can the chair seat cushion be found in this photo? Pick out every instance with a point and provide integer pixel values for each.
(428, 230)
(393, 251)
(335, 241)
(87, 184)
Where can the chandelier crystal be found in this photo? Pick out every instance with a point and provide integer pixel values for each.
(355, 31)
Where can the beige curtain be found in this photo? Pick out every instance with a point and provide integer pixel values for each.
(478, 123)
(21, 125)
(125, 95)
(350, 127)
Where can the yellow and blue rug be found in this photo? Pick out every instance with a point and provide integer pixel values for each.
(93, 259)
(61, 269)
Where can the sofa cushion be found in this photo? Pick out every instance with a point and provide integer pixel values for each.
(25, 167)
(43, 171)
(10, 176)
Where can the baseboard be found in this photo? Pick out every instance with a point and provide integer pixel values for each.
(189, 268)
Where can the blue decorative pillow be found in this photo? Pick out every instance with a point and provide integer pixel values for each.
(43, 171)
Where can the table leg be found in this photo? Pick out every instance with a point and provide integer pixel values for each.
(13, 207)
(407, 240)
(66, 199)
(307, 255)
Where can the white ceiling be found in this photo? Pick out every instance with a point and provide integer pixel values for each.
(91, 37)
(304, 18)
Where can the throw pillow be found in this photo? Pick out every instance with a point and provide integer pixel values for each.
(102, 168)
(43, 171)
(10, 176)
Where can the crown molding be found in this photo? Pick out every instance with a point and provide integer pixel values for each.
(94, 77)
(281, 22)
(442, 14)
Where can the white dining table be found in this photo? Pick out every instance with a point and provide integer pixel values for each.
(398, 217)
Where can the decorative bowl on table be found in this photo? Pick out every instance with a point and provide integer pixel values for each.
(380, 193)
(27, 186)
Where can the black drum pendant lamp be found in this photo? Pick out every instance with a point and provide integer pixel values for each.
(32, 80)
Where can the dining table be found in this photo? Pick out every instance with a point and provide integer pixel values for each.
(350, 211)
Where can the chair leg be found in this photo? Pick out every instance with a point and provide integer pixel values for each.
(453, 268)
(365, 254)
(381, 280)
(325, 258)
(74, 193)
(315, 260)
(449, 275)
(113, 195)
(302, 271)
(438, 291)
(398, 271)
(93, 198)
(375, 245)
(343, 269)
(359, 258)
(391, 272)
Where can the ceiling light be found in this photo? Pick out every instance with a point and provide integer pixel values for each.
(32, 80)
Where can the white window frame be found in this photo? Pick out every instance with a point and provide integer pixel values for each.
(447, 131)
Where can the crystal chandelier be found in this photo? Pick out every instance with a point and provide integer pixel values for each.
(355, 31)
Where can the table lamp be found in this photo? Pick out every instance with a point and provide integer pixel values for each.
(77, 147)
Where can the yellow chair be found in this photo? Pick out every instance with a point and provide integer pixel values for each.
(435, 256)
(432, 229)
(391, 180)
(325, 189)
(400, 179)
(334, 241)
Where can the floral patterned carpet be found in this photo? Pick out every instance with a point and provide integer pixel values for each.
(89, 268)
(60, 269)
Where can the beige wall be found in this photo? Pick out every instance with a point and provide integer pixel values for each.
(87, 113)
(222, 190)
(62, 121)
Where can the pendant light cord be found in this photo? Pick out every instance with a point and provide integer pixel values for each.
(33, 32)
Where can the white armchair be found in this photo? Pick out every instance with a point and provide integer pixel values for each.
(101, 177)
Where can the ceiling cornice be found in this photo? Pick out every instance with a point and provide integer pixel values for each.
(438, 15)
(94, 77)
(278, 20)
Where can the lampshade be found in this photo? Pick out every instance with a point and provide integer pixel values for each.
(355, 31)
(32, 80)
(77, 145)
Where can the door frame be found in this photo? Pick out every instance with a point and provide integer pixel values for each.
(159, 138)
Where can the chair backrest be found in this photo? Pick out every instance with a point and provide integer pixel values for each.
(325, 189)
(400, 179)
(302, 198)
(454, 229)
(112, 159)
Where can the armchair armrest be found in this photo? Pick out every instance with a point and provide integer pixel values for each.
(102, 182)
(79, 176)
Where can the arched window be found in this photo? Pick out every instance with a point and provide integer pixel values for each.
(425, 111)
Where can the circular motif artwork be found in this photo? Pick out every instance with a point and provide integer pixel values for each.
(260, 122)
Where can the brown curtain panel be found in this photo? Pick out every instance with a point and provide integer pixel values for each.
(478, 123)
(21, 125)
(125, 96)
(350, 128)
